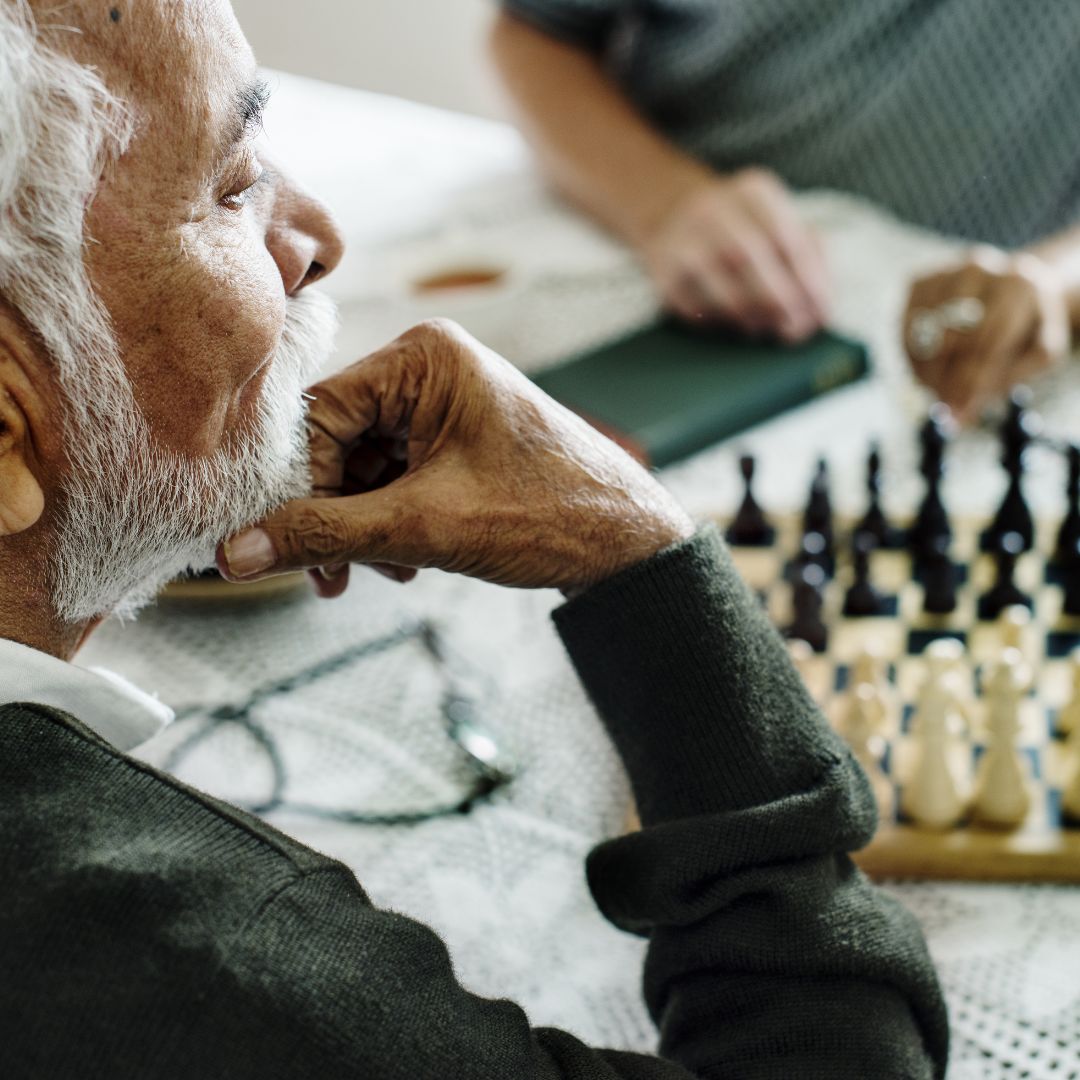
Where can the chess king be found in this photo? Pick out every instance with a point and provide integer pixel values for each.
(157, 323)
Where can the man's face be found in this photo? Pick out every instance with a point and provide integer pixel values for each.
(201, 248)
(200, 243)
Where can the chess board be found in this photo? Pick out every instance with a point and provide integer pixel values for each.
(1045, 847)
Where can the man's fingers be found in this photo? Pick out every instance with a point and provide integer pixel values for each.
(329, 581)
(382, 394)
(309, 533)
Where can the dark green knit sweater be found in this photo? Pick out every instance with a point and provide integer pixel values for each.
(148, 931)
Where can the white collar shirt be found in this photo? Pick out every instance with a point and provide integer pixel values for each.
(113, 708)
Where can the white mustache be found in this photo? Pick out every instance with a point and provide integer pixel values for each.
(307, 338)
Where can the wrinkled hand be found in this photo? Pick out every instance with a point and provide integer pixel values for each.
(1025, 328)
(734, 251)
(436, 452)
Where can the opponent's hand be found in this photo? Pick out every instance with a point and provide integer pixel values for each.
(734, 251)
(436, 452)
(1024, 329)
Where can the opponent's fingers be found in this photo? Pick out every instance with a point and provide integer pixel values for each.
(1035, 361)
(750, 258)
(683, 296)
(952, 359)
(720, 296)
(799, 248)
(979, 362)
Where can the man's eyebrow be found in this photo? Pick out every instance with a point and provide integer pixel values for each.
(251, 102)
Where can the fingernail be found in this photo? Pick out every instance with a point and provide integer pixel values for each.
(249, 553)
(330, 572)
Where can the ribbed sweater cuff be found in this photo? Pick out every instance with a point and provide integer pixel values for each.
(695, 687)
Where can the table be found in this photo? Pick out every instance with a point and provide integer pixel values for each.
(505, 884)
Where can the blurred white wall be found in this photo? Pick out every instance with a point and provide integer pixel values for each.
(427, 50)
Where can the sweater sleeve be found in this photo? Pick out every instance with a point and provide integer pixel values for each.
(770, 955)
(585, 23)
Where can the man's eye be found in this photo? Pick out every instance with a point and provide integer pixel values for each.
(239, 197)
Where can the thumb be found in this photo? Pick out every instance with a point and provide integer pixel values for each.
(307, 533)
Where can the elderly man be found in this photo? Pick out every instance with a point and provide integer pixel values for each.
(156, 327)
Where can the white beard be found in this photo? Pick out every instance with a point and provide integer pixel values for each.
(135, 516)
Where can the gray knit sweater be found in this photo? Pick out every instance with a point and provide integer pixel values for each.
(960, 115)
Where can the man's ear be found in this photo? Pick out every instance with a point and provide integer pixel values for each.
(22, 501)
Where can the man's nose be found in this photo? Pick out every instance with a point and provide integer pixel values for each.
(304, 238)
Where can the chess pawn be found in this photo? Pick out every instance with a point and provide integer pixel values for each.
(750, 528)
(861, 727)
(864, 717)
(868, 665)
(868, 669)
(1068, 717)
(1013, 627)
(934, 795)
(1002, 792)
(947, 680)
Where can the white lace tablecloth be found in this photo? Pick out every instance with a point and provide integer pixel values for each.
(505, 884)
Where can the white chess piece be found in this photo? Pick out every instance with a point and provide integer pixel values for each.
(1014, 632)
(935, 794)
(869, 669)
(947, 679)
(1068, 717)
(861, 727)
(1002, 789)
(865, 714)
(868, 665)
(1013, 627)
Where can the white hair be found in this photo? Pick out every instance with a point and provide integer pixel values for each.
(60, 127)
(131, 514)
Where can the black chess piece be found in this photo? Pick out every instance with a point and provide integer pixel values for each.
(931, 526)
(874, 523)
(1070, 581)
(1020, 427)
(813, 551)
(1069, 534)
(1005, 592)
(862, 599)
(807, 602)
(939, 580)
(750, 528)
(818, 516)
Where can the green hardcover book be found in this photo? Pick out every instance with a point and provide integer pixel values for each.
(669, 390)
